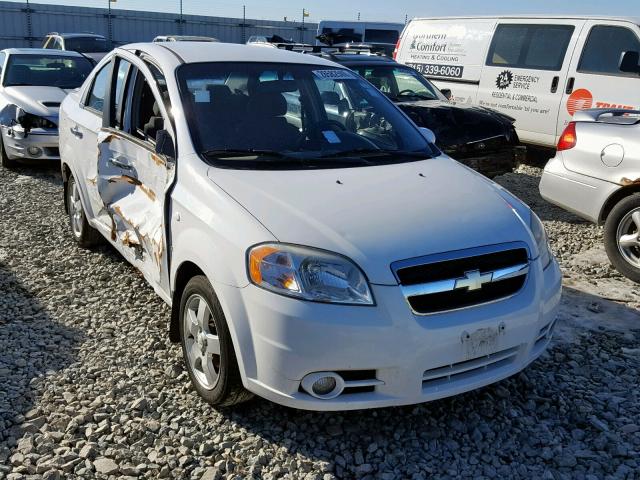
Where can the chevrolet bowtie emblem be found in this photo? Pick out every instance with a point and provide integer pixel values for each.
(474, 280)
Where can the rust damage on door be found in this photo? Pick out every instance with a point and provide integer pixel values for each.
(132, 197)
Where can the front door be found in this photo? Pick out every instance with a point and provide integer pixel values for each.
(132, 178)
(524, 73)
(595, 79)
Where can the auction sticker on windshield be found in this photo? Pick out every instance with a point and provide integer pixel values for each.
(336, 74)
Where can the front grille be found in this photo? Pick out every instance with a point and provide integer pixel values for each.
(462, 279)
(435, 378)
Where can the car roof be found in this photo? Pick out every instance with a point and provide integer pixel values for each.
(76, 35)
(42, 51)
(197, 52)
(635, 20)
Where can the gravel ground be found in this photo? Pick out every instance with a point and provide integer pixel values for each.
(90, 387)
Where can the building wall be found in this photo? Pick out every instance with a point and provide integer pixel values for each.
(22, 27)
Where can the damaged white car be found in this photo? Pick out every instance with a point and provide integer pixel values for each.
(33, 83)
(322, 258)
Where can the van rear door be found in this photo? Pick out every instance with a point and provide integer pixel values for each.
(449, 52)
(525, 71)
(595, 79)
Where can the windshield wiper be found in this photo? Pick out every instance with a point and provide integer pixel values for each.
(375, 152)
(251, 152)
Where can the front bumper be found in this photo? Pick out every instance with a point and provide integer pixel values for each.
(279, 340)
(580, 194)
(39, 144)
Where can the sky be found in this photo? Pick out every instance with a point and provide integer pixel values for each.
(373, 10)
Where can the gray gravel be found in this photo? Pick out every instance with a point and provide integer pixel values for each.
(90, 387)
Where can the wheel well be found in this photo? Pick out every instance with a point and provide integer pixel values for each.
(66, 173)
(185, 272)
(614, 199)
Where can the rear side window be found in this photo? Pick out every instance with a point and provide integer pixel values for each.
(95, 101)
(538, 47)
(605, 47)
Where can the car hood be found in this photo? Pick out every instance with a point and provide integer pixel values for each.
(42, 101)
(456, 125)
(377, 215)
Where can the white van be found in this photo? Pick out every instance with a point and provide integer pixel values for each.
(539, 70)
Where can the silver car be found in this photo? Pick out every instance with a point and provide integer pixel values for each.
(33, 83)
(596, 175)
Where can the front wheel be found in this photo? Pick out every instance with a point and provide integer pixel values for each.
(4, 158)
(622, 237)
(207, 348)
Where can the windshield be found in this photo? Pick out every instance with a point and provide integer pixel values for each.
(304, 115)
(399, 83)
(86, 44)
(46, 70)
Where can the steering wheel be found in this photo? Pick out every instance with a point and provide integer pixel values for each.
(407, 90)
(327, 125)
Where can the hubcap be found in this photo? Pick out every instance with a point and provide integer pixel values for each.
(202, 342)
(75, 210)
(628, 236)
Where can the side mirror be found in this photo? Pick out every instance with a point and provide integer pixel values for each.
(428, 135)
(630, 62)
(164, 144)
(446, 92)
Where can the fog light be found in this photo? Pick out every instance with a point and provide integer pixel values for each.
(323, 385)
(34, 151)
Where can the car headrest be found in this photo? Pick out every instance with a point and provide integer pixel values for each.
(267, 104)
(330, 98)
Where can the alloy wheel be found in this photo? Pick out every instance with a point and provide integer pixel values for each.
(202, 341)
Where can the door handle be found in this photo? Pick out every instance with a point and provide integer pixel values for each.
(570, 85)
(118, 162)
(76, 131)
(554, 84)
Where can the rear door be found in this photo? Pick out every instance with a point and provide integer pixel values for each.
(524, 73)
(595, 79)
(132, 178)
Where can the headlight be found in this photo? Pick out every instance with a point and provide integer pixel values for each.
(307, 273)
(28, 121)
(540, 236)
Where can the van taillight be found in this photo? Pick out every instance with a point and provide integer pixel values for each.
(395, 50)
(568, 139)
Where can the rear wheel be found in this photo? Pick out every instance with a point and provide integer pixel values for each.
(4, 158)
(207, 348)
(85, 234)
(622, 237)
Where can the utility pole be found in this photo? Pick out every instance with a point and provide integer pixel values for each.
(244, 23)
(358, 16)
(180, 25)
(302, 31)
(109, 24)
(29, 24)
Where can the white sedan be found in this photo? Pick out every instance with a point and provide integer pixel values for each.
(33, 83)
(314, 245)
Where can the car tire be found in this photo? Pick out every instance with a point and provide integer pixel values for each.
(5, 161)
(207, 348)
(82, 232)
(622, 237)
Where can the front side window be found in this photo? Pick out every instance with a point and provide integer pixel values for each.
(303, 115)
(46, 70)
(87, 44)
(96, 96)
(372, 35)
(538, 47)
(400, 83)
(604, 49)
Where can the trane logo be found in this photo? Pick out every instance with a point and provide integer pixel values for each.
(581, 99)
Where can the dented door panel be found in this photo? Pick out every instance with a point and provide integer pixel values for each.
(131, 184)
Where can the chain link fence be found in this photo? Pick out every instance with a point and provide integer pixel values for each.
(24, 24)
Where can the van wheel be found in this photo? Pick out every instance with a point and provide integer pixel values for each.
(622, 237)
(4, 158)
(207, 348)
(84, 234)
